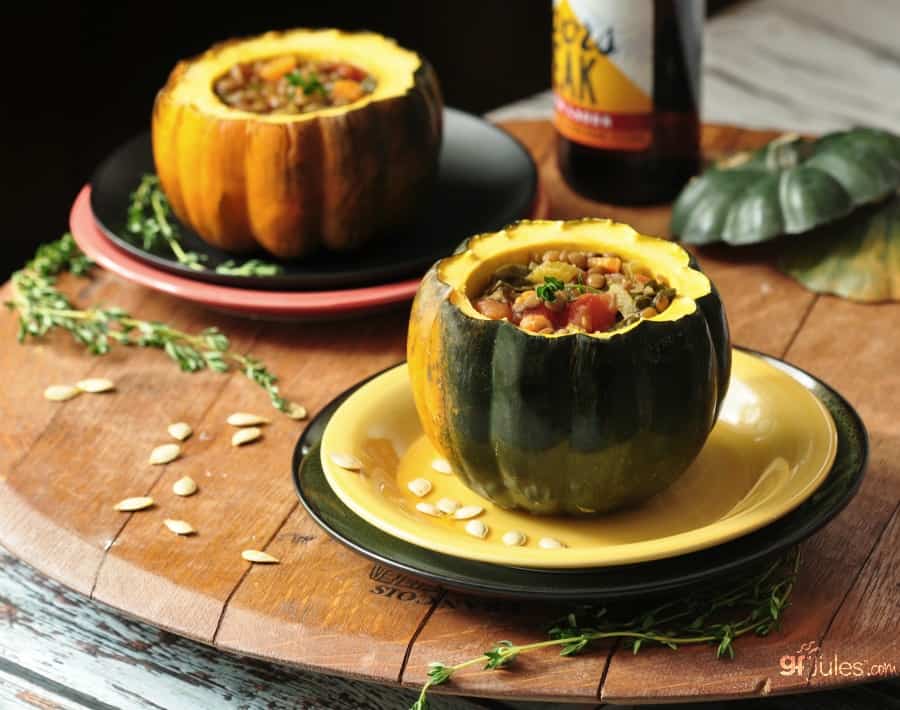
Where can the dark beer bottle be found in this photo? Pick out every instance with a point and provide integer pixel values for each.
(626, 90)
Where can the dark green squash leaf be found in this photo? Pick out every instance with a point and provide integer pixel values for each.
(789, 186)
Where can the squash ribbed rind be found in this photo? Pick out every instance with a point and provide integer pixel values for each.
(294, 183)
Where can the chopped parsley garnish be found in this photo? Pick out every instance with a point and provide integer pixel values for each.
(308, 83)
(547, 291)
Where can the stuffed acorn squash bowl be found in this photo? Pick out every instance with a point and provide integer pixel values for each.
(333, 177)
(566, 420)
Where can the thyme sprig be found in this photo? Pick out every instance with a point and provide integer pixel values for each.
(42, 308)
(251, 267)
(717, 616)
(150, 218)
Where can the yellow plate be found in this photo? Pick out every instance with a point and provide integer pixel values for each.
(772, 446)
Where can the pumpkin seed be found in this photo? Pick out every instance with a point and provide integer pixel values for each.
(129, 505)
(514, 538)
(468, 511)
(165, 454)
(180, 430)
(442, 466)
(179, 527)
(428, 509)
(245, 436)
(246, 419)
(348, 461)
(419, 487)
(476, 528)
(296, 411)
(184, 486)
(550, 543)
(448, 505)
(260, 557)
(96, 385)
(60, 393)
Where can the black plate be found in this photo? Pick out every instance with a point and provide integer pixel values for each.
(486, 180)
(625, 581)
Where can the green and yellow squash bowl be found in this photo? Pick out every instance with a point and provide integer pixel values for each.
(567, 423)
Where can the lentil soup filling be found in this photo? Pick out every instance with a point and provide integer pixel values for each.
(289, 84)
(561, 291)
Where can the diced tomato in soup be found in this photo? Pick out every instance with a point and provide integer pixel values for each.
(592, 312)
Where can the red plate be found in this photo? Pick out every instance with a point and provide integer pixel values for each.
(240, 301)
(317, 305)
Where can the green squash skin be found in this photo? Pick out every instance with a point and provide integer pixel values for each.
(711, 305)
(576, 424)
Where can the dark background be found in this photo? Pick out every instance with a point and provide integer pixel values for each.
(79, 78)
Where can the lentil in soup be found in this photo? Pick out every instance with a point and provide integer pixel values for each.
(561, 291)
(289, 84)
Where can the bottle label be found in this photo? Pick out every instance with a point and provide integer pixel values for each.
(603, 72)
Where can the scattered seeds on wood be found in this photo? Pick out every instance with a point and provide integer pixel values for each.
(428, 509)
(184, 486)
(442, 466)
(96, 385)
(259, 556)
(448, 505)
(180, 430)
(419, 487)
(296, 411)
(245, 436)
(179, 527)
(550, 543)
(476, 528)
(247, 419)
(347, 461)
(60, 393)
(468, 511)
(165, 454)
(514, 538)
(129, 505)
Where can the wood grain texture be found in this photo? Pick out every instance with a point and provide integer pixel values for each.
(324, 608)
(859, 364)
(29, 496)
(863, 633)
(463, 627)
(246, 492)
(60, 650)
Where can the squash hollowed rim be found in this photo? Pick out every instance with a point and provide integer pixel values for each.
(393, 68)
(467, 272)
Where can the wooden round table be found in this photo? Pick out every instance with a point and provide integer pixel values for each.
(63, 466)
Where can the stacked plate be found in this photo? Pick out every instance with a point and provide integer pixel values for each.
(785, 456)
(485, 181)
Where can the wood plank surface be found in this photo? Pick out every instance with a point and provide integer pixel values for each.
(324, 608)
(861, 362)
(29, 497)
(246, 492)
(58, 650)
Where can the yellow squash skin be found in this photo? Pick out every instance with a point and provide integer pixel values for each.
(292, 183)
